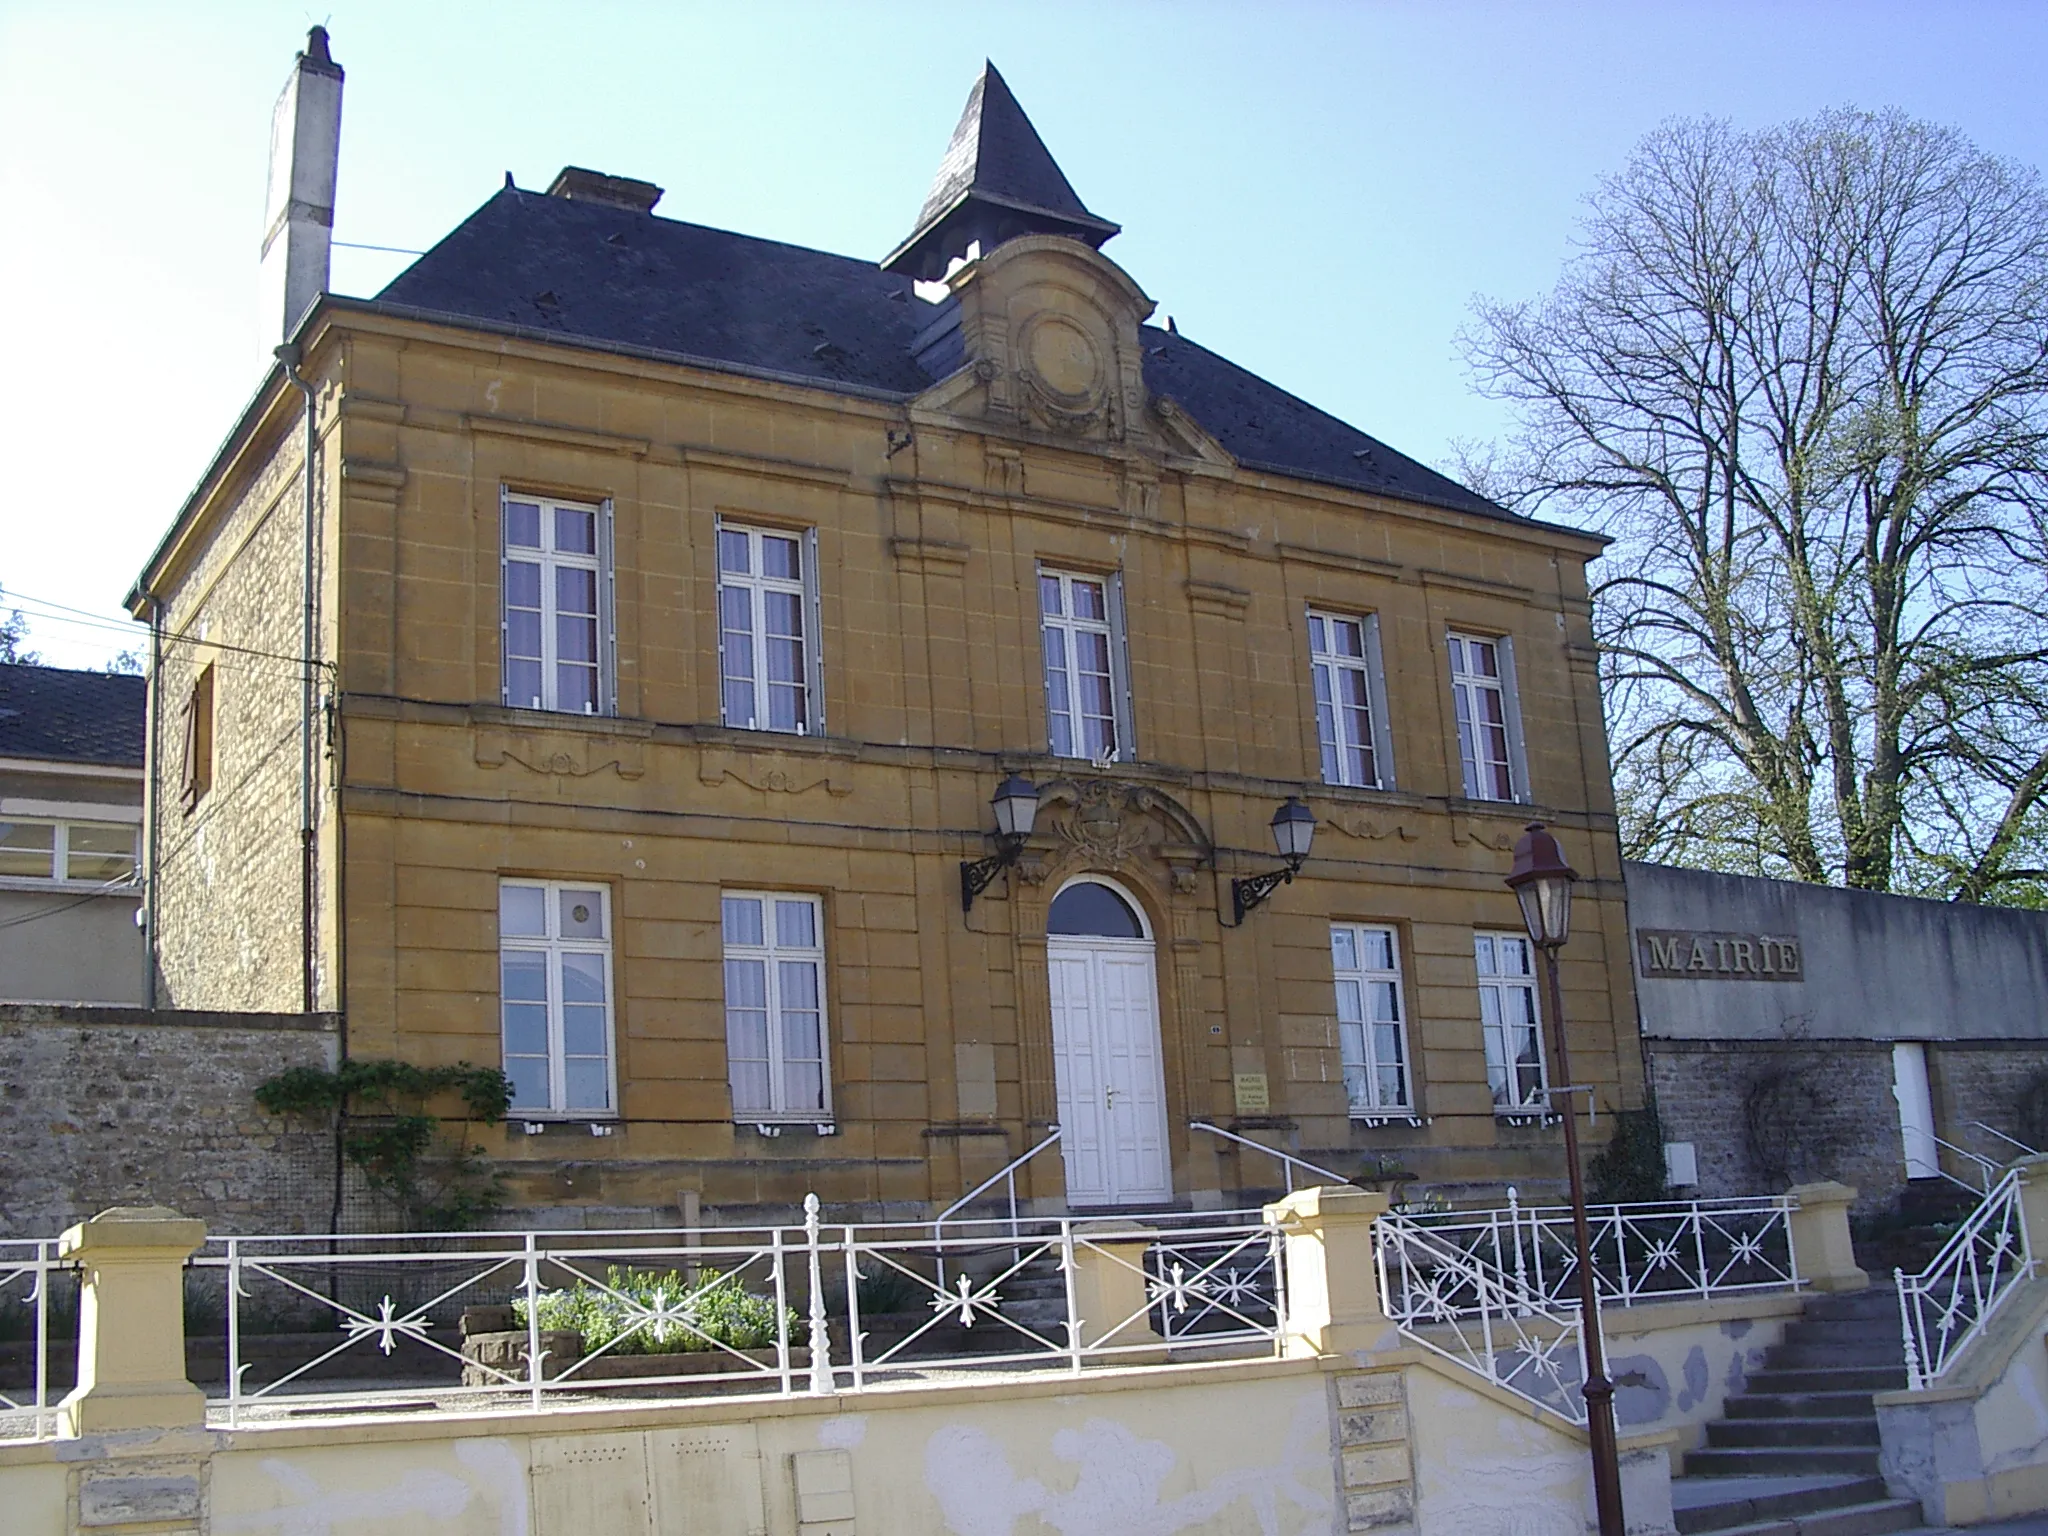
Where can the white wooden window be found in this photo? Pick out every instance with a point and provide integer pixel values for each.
(1344, 657)
(1087, 698)
(1371, 1018)
(775, 1006)
(1510, 1022)
(1489, 744)
(555, 980)
(557, 587)
(767, 630)
(69, 852)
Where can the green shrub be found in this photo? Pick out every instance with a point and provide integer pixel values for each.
(716, 1310)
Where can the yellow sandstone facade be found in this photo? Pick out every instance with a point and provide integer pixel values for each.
(930, 550)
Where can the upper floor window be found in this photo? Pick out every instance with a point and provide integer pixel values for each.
(1087, 701)
(1344, 655)
(767, 630)
(75, 852)
(555, 985)
(775, 1006)
(556, 622)
(1489, 734)
(1371, 1022)
(195, 770)
(1509, 1022)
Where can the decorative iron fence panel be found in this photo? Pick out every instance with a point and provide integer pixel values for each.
(1944, 1307)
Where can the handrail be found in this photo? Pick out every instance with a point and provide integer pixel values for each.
(1964, 1284)
(1989, 1170)
(1452, 1300)
(1288, 1159)
(1008, 1175)
(2014, 1140)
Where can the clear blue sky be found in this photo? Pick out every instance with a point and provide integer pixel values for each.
(1315, 190)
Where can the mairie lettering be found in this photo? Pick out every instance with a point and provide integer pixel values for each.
(1681, 954)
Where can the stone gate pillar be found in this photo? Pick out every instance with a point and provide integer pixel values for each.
(1333, 1288)
(131, 1322)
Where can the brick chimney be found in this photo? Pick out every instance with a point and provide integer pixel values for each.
(298, 217)
(581, 186)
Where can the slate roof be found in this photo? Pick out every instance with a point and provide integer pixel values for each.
(55, 715)
(612, 277)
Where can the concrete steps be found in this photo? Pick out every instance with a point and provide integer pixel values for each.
(1796, 1452)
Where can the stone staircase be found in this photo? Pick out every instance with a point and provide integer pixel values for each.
(1797, 1453)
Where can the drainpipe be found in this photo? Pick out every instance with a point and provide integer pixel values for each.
(291, 355)
(152, 797)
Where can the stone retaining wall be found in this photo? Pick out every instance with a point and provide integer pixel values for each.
(111, 1106)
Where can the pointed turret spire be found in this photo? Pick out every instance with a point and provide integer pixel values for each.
(997, 181)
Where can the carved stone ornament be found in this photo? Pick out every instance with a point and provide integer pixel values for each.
(1470, 829)
(1108, 823)
(1064, 372)
(1369, 828)
(769, 777)
(557, 754)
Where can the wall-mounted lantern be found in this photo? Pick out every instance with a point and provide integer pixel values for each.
(1016, 807)
(1294, 828)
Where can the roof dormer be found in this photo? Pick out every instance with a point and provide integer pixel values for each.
(996, 182)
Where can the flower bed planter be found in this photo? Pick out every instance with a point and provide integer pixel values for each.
(488, 1350)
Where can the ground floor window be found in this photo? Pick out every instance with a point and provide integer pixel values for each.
(1370, 1018)
(1510, 1022)
(775, 1006)
(554, 966)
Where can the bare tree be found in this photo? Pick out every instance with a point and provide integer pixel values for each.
(1802, 377)
(14, 649)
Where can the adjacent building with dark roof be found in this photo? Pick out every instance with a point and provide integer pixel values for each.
(621, 697)
(72, 748)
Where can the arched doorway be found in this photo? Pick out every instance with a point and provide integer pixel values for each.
(1107, 1077)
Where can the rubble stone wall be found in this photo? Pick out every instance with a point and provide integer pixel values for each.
(121, 1106)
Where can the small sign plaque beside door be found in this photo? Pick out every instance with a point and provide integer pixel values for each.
(1248, 1090)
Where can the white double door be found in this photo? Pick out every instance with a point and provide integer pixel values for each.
(1110, 1085)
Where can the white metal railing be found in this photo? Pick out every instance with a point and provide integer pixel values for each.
(1007, 1176)
(1450, 1298)
(35, 1287)
(309, 1323)
(1287, 1159)
(1947, 1304)
(2011, 1141)
(1987, 1169)
(1648, 1252)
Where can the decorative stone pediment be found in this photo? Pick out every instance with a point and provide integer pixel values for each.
(1104, 824)
(1047, 337)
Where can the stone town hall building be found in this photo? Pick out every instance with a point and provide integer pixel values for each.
(679, 600)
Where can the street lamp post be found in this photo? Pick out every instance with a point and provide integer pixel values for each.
(1542, 882)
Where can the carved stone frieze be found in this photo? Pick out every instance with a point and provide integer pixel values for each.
(769, 777)
(559, 754)
(1365, 827)
(1496, 836)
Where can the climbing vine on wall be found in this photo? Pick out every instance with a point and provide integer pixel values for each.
(404, 1152)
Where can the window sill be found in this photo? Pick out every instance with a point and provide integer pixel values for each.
(1360, 794)
(1530, 1116)
(129, 888)
(1516, 808)
(772, 1128)
(557, 719)
(1372, 1119)
(539, 1122)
